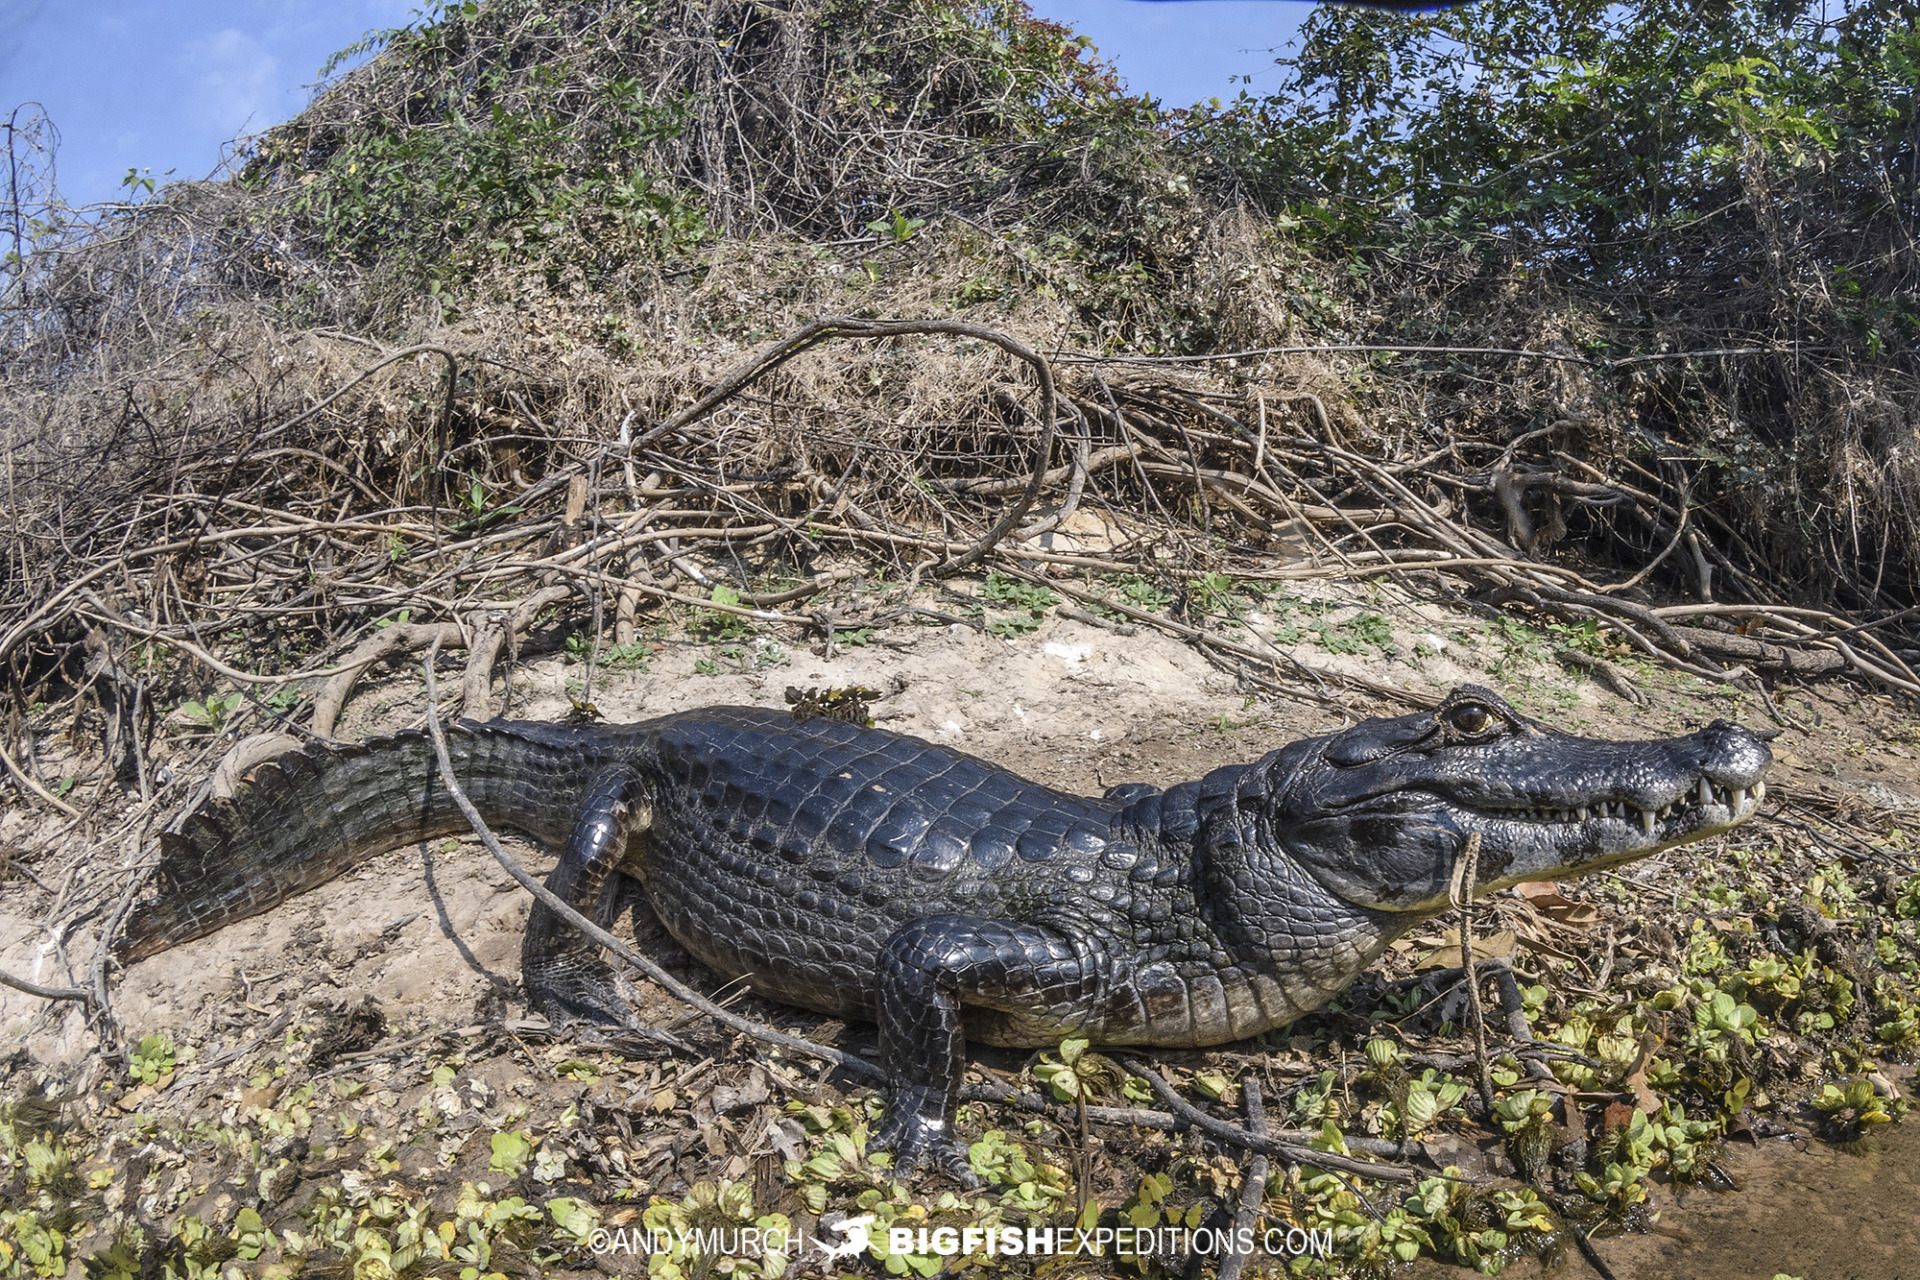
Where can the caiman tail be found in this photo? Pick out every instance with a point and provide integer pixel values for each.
(307, 817)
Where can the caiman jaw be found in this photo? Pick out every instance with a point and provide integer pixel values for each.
(1545, 842)
(1710, 808)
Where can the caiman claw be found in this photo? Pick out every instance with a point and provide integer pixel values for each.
(914, 1129)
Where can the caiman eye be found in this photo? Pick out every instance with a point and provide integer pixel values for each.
(1470, 718)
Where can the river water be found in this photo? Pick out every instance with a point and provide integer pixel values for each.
(1803, 1208)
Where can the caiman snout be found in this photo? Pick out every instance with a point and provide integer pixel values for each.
(1710, 781)
(1731, 756)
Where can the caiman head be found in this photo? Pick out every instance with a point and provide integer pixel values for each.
(1380, 813)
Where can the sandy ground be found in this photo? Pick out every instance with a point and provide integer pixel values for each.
(430, 932)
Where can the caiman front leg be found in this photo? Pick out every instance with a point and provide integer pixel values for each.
(928, 971)
(567, 980)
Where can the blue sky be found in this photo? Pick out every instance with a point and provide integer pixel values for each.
(159, 85)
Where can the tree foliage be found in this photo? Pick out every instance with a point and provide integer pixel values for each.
(1645, 178)
(1626, 144)
(583, 135)
(1620, 182)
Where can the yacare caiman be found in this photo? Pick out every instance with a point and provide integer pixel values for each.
(868, 874)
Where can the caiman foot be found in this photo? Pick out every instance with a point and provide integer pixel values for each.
(567, 981)
(576, 993)
(918, 1135)
(928, 970)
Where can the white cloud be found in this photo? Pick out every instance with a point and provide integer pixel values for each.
(234, 83)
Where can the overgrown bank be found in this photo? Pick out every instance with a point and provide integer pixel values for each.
(1607, 189)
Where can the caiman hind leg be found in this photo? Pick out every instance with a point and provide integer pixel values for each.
(566, 978)
(928, 972)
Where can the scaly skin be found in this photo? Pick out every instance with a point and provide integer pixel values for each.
(867, 874)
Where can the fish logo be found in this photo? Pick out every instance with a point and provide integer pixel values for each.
(856, 1242)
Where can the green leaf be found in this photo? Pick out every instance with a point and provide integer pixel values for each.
(1212, 1083)
(153, 1057)
(512, 1151)
(1060, 1078)
(575, 1219)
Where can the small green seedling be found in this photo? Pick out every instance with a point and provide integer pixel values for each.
(214, 712)
(152, 1058)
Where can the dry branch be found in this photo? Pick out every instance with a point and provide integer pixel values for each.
(793, 459)
(385, 643)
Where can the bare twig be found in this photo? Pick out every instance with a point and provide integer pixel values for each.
(1254, 1190)
(1293, 1153)
(46, 993)
(1465, 869)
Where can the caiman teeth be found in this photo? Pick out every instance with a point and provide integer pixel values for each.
(1733, 798)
